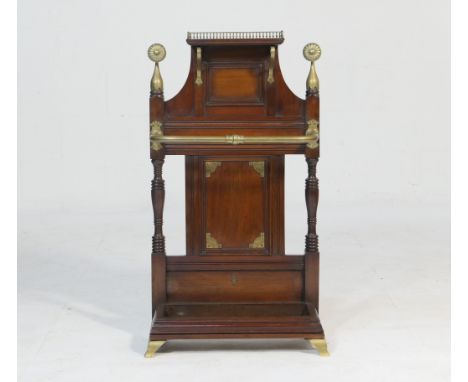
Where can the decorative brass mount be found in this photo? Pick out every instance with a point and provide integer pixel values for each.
(155, 135)
(258, 166)
(313, 132)
(158, 138)
(156, 53)
(198, 80)
(312, 53)
(259, 242)
(211, 242)
(210, 168)
(271, 78)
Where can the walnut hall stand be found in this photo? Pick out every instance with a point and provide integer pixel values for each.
(234, 120)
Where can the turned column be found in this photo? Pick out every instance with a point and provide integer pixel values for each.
(311, 195)
(312, 53)
(156, 53)
(157, 197)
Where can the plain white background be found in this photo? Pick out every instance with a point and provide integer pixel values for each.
(85, 218)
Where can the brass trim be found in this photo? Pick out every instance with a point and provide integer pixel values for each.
(313, 132)
(210, 168)
(155, 135)
(198, 80)
(236, 139)
(258, 166)
(321, 346)
(271, 78)
(259, 241)
(211, 242)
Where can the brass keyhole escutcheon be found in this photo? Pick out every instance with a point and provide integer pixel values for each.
(233, 279)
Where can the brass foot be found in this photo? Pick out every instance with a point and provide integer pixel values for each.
(321, 346)
(153, 347)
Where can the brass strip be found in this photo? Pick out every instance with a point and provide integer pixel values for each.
(211, 242)
(210, 168)
(259, 242)
(259, 167)
(271, 79)
(198, 80)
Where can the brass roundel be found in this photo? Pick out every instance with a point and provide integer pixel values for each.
(156, 52)
(312, 52)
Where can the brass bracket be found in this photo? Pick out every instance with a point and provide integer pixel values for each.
(155, 135)
(210, 168)
(312, 132)
(211, 242)
(259, 242)
(258, 166)
(271, 78)
(198, 80)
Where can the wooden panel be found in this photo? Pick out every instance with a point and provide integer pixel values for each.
(234, 286)
(235, 205)
(235, 85)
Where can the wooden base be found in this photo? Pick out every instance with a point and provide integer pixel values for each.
(236, 320)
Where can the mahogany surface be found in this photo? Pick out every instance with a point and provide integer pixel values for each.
(235, 280)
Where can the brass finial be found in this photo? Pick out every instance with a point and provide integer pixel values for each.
(156, 53)
(312, 53)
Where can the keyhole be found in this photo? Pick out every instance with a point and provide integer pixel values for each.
(233, 279)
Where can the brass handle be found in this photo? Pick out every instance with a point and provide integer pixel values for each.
(311, 138)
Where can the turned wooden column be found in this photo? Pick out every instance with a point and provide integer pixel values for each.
(312, 116)
(311, 195)
(157, 197)
(156, 53)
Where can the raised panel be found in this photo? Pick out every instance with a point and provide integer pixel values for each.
(234, 286)
(235, 206)
(236, 85)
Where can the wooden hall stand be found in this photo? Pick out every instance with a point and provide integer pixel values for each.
(234, 120)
